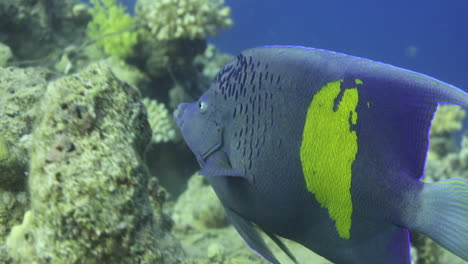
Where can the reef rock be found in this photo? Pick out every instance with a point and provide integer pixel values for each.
(88, 183)
(20, 92)
(198, 208)
(34, 28)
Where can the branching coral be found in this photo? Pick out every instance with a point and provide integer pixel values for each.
(192, 19)
(211, 61)
(160, 121)
(448, 119)
(108, 18)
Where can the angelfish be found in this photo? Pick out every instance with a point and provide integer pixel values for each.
(327, 150)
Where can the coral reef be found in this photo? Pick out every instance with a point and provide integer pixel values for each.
(13, 204)
(88, 183)
(127, 72)
(110, 17)
(168, 56)
(178, 95)
(34, 29)
(184, 19)
(445, 158)
(453, 165)
(20, 92)
(447, 120)
(5, 54)
(211, 61)
(78, 189)
(166, 60)
(161, 122)
(204, 212)
(20, 89)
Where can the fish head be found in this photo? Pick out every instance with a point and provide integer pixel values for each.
(201, 125)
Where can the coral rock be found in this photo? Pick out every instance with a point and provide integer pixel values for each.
(88, 182)
(191, 19)
(198, 208)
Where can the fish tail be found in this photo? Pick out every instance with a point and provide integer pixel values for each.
(444, 215)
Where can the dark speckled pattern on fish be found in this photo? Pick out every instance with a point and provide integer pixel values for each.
(234, 81)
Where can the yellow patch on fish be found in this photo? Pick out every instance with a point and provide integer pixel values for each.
(328, 150)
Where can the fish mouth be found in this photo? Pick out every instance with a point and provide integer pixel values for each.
(178, 115)
(179, 122)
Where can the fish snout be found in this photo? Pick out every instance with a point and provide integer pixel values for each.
(179, 113)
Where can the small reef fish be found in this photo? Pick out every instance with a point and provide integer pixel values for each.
(327, 150)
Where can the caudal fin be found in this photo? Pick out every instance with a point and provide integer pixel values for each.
(444, 215)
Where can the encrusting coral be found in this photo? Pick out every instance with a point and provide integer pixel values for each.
(20, 89)
(126, 72)
(161, 122)
(206, 211)
(191, 19)
(88, 183)
(20, 92)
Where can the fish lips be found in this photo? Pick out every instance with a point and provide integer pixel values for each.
(178, 115)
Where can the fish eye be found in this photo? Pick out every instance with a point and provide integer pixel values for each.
(202, 105)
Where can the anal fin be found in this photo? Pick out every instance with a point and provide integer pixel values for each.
(283, 247)
(383, 244)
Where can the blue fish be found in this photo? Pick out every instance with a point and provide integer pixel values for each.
(327, 150)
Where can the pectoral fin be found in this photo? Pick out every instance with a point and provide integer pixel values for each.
(218, 164)
(250, 234)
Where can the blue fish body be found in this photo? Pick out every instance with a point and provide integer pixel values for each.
(327, 150)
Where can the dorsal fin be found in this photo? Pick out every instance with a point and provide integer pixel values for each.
(395, 113)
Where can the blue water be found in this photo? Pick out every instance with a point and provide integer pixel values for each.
(379, 30)
(425, 36)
